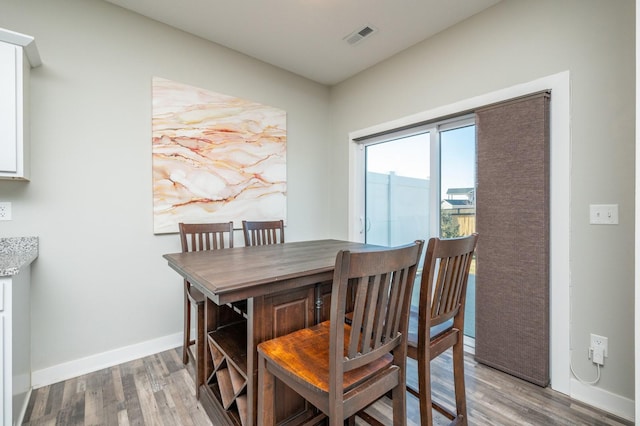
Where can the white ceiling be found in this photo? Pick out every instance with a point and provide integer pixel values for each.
(307, 37)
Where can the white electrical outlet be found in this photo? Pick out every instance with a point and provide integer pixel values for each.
(598, 349)
(5, 211)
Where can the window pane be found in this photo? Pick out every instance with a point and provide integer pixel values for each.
(458, 207)
(397, 191)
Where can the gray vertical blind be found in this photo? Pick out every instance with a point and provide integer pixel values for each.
(512, 278)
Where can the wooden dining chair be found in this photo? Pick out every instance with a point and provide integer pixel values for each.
(260, 233)
(341, 368)
(198, 237)
(443, 290)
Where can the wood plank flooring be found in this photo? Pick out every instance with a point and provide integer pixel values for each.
(159, 390)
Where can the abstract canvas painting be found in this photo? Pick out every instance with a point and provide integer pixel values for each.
(216, 158)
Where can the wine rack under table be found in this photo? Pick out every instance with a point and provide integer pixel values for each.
(228, 348)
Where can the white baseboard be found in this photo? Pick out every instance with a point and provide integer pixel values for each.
(68, 370)
(603, 399)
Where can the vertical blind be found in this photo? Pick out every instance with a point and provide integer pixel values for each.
(512, 277)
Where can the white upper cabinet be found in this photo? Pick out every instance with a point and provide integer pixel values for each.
(9, 106)
(18, 54)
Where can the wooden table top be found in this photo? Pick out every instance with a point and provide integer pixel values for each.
(230, 275)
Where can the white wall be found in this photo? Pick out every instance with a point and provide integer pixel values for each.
(513, 43)
(100, 283)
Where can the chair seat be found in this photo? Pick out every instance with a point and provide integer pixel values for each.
(441, 338)
(433, 331)
(304, 356)
(195, 296)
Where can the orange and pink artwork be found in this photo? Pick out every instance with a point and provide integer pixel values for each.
(216, 158)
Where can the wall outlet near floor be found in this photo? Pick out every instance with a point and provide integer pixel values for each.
(598, 349)
(5, 210)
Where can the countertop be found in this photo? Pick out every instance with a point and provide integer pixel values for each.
(16, 253)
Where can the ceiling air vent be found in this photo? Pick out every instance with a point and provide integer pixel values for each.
(357, 36)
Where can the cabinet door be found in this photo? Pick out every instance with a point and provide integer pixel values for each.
(288, 312)
(8, 108)
(4, 405)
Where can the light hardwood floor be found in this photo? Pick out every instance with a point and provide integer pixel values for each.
(159, 390)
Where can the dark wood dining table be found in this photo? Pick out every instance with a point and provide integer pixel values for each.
(255, 294)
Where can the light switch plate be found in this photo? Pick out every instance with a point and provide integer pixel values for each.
(603, 214)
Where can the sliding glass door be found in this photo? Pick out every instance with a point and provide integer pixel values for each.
(419, 182)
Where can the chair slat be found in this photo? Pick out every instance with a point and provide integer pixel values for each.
(381, 325)
(371, 309)
(360, 290)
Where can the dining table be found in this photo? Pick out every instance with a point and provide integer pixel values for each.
(254, 294)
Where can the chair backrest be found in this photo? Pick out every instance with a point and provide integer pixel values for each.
(206, 236)
(444, 281)
(260, 233)
(381, 282)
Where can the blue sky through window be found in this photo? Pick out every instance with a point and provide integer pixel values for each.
(409, 157)
(457, 159)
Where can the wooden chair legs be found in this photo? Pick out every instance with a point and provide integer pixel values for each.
(424, 395)
(266, 392)
(200, 348)
(199, 341)
(458, 380)
(186, 341)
